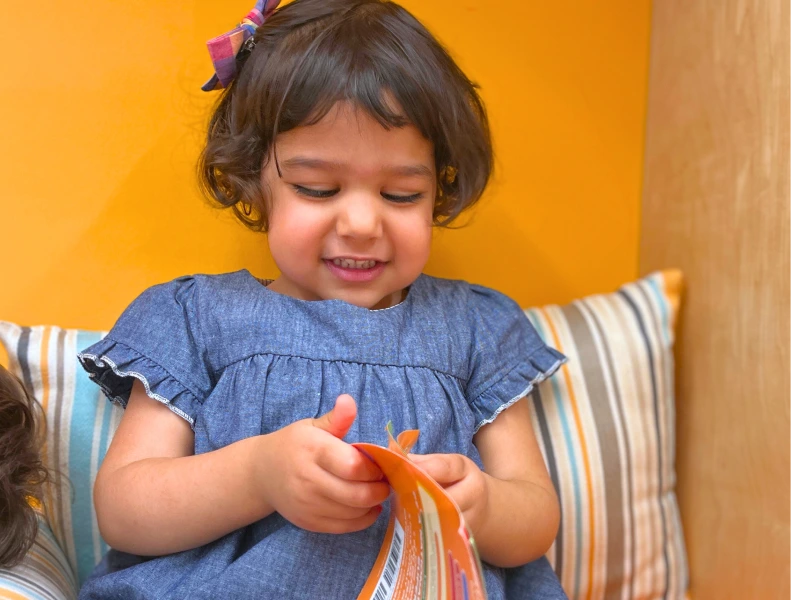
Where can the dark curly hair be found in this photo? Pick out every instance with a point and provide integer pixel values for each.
(311, 54)
(22, 474)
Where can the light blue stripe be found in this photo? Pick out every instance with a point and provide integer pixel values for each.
(664, 311)
(104, 440)
(82, 423)
(575, 479)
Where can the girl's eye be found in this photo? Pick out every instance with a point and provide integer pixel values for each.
(313, 193)
(402, 199)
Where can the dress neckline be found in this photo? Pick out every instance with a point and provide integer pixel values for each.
(264, 284)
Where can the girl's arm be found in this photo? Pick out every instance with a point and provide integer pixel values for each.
(512, 509)
(154, 496)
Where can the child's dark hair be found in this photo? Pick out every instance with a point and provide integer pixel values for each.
(311, 54)
(22, 474)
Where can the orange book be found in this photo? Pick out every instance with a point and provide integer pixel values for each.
(428, 552)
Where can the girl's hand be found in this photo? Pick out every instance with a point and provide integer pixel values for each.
(315, 480)
(463, 480)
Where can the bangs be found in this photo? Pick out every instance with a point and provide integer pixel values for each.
(362, 58)
(362, 87)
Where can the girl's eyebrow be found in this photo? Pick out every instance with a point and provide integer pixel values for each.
(306, 162)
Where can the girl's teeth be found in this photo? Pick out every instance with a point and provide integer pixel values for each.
(347, 263)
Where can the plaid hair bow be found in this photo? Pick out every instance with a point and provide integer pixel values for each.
(224, 48)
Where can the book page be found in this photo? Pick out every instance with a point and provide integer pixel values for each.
(427, 551)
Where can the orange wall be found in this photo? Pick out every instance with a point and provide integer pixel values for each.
(100, 134)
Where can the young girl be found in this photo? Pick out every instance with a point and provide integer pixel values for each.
(347, 133)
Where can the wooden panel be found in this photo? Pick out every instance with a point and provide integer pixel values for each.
(716, 204)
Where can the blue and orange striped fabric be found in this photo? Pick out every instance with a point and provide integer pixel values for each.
(605, 424)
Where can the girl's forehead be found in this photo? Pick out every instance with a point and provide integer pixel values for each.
(343, 118)
(348, 133)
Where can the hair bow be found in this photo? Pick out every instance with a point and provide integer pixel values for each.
(224, 48)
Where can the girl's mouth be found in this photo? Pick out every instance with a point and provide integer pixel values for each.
(350, 263)
(355, 271)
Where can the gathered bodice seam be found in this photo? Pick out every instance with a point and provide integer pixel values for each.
(339, 360)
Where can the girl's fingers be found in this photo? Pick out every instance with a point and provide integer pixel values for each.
(445, 469)
(347, 525)
(348, 463)
(332, 511)
(355, 494)
(462, 495)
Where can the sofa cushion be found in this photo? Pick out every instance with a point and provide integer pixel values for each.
(606, 426)
(44, 573)
(79, 424)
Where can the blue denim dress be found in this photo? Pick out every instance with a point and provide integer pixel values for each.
(236, 359)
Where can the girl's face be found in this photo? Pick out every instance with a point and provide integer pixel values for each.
(351, 216)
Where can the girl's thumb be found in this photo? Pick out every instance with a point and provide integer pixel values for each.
(340, 418)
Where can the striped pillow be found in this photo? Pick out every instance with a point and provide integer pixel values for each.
(605, 424)
(79, 424)
(44, 574)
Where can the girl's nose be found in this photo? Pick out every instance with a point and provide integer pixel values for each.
(360, 217)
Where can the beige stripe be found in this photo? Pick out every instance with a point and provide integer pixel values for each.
(55, 359)
(645, 299)
(651, 572)
(677, 539)
(641, 441)
(68, 386)
(653, 331)
(39, 369)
